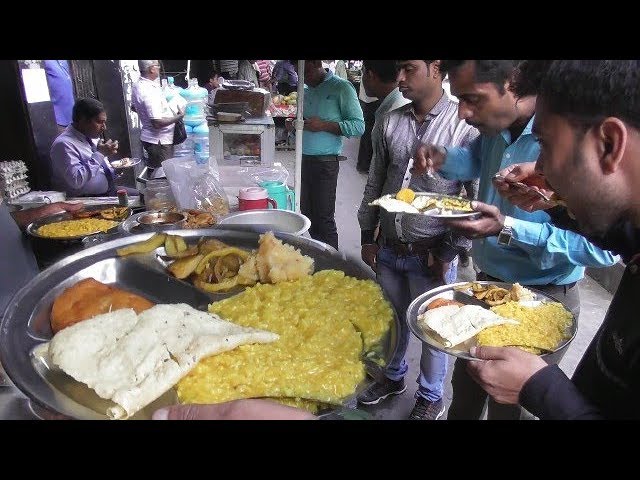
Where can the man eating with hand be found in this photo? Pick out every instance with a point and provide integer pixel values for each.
(509, 244)
(588, 123)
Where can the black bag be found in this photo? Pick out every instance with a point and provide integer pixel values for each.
(179, 132)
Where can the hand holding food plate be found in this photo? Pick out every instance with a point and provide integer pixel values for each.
(450, 319)
(430, 204)
(125, 163)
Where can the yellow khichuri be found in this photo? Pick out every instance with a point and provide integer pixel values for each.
(541, 328)
(75, 228)
(325, 322)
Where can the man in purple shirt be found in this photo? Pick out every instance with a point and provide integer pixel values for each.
(78, 162)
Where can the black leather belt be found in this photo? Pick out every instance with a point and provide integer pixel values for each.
(412, 248)
(322, 158)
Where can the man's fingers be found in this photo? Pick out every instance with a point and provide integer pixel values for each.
(490, 353)
(516, 174)
(190, 412)
(483, 207)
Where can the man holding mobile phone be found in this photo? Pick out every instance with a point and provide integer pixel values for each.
(332, 111)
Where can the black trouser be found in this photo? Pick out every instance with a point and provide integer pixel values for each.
(157, 153)
(318, 197)
(469, 399)
(365, 150)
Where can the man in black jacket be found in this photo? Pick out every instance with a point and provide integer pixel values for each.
(588, 125)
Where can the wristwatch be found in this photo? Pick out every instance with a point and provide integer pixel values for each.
(505, 235)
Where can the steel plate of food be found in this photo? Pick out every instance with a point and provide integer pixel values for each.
(425, 203)
(113, 332)
(77, 225)
(453, 318)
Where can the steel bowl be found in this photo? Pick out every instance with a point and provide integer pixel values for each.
(284, 221)
(159, 220)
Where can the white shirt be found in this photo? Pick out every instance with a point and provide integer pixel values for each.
(149, 102)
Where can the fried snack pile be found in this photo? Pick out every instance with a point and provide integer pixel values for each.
(494, 295)
(89, 298)
(278, 262)
(111, 213)
(325, 322)
(217, 266)
(198, 219)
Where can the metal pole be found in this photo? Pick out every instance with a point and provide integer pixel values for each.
(188, 69)
(299, 125)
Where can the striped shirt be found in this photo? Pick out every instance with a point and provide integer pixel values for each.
(397, 138)
(229, 66)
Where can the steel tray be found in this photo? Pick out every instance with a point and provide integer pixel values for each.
(26, 324)
(32, 228)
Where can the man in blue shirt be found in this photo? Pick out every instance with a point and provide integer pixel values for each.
(285, 77)
(60, 90)
(509, 244)
(331, 111)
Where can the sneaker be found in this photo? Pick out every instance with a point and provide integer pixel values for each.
(380, 391)
(426, 410)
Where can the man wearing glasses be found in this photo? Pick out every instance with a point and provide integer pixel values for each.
(156, 118)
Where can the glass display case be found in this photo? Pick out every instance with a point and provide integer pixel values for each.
(250, 142)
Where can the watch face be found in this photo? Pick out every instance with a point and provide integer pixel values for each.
(504, 238)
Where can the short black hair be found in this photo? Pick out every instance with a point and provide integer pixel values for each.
(587, 91)
(486, 71)
(86, 108)
(213, 73)
(428, 62)
(527, 77)
(386, 70)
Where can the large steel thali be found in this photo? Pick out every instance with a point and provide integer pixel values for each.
(419, 306)
(26, 322)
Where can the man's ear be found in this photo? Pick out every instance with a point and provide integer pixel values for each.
(611, 137)
(436, 67)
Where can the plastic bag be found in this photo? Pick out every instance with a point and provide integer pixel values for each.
(196, 186)
(249, 176)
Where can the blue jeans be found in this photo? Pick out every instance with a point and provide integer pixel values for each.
(403, 278)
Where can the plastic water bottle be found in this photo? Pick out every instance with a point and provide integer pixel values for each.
(201, 143)
(168, 92)
(185, 148)
(176, 89)
(195, 97)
